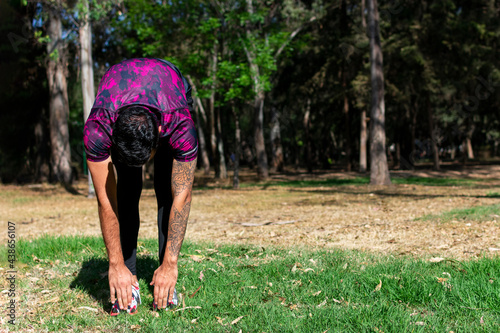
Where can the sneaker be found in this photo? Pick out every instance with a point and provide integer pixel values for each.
(171, 305)
(132, 308)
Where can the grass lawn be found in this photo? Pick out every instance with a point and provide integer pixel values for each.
(477, 214)
(62, 286)
(328, 182)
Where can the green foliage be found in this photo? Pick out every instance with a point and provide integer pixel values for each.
(41, 39)
(238, 78)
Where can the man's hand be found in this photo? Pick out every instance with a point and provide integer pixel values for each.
(120, 282)
(164, 280)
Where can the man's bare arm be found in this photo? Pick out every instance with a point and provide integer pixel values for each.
(104, 181)
(165, 277)
(120, 278)
(182, 184)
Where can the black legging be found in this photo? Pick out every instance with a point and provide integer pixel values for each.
(129, 188)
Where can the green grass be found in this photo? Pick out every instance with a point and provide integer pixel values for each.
(315, 183)
(473, 214)
(267, 289)
(427, 181)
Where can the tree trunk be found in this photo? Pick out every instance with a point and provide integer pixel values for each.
(237, 152)
(413, 133)
(379, 171)
(363, 137)
(468, 140)
(468, 147)
(200, 110)
(58, 107)
(277, 160)
(307, 125)
(344, 30)
(260, 148)
(42, 165)
(220, 149)
(205, 162)
(363, 18)
(434, 139)
(213, 130)
(348, 149)
(259, 142)
(87, 74)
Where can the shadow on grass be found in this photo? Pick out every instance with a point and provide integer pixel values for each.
(93, 280)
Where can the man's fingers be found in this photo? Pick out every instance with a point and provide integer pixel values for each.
(119, 297)
(170, 295)
(129, 295)
(153, 279)
(155, 296)
(160, 298)
(112, 293)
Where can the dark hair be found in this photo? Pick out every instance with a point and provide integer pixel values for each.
(135, 135)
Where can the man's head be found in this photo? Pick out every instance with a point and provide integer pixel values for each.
(135, 135)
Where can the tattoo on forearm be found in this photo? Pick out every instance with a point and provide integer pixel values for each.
(177, 229)
(182, 176)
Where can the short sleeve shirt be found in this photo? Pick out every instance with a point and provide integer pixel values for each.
(153, 83)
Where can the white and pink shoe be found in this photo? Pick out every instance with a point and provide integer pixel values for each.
(132, 308)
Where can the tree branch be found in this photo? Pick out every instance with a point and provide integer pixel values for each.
(292, 36)
(197, 97)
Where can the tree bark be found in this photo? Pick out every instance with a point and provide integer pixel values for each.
(468, 147)
(213, 130)
(413, 132)
(200, 113)
(259, 142)
(347, 129)
(42, 161)
(344, 31)
(58, 106)
(468, 140)
(237, 152)
(307, 125)
(379, 171)
(277, 161)
(363, 18)
(205, 162)
(260, 148)
(363, 137)
(434, 139)
(222, 174)
(87, 74)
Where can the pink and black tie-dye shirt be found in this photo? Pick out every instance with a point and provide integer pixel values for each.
(153, 83)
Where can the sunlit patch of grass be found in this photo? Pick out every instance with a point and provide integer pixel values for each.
(312, 183)
(331, 182)
(22, 200)
(429, 181)
(63, 286)
(476, 214)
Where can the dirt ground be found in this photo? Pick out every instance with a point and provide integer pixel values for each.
(363, 217)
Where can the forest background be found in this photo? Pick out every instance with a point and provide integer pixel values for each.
(278, 85)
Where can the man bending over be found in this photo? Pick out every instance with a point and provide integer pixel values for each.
(141, 112)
